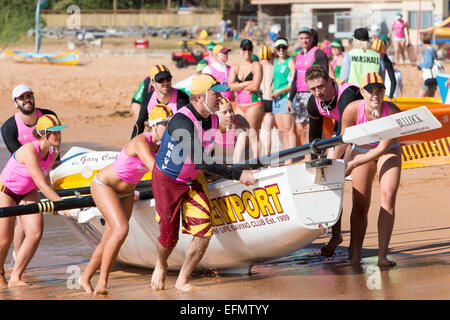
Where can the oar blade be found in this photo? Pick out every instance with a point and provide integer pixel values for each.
(394, 126)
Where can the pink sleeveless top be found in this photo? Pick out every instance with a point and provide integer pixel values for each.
(227, 141)
(24, 132)
(132, 169)
(398, 28)
(223, 78)
(172, 103)
(15, 175)
(333, 114)
(207, 138)
(325, 46)
(362, 115)
(335, 61)
(302, 63)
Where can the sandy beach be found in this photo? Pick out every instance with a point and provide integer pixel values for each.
(93, 99)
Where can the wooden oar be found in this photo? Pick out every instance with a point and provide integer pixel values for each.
(66, 204)
(394, 126)
(87, 190)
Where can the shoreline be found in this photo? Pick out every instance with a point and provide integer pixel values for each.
(94, 101)
(420, 245)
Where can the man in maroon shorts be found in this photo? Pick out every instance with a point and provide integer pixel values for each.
(178, 181)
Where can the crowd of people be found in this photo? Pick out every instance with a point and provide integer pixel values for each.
(219, 123)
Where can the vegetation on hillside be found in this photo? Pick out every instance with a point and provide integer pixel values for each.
(16, 17)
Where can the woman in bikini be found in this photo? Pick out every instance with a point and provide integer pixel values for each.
(245, 79)
(26, 170)
(366, 161)
(113, 193)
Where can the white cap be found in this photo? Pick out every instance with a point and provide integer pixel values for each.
(20, 90)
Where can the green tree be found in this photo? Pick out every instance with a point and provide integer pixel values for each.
(16, 17)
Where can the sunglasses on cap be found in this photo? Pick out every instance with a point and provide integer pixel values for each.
(281, 47)
(165, 79)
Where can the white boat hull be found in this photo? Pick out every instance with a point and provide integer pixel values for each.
(289, 207)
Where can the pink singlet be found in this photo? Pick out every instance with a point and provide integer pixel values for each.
(15, 175)
(362, 115)
(335, 61)
(24, 132)
(302, 63)
(172, 103)
(207, 138)
(398, 27)
(132, 169)
(333, 114)
(223, 78)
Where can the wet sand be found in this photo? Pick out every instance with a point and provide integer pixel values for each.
(420, 245)
(93, 100)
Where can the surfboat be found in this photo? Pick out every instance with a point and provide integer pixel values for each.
(65, 58)
(289, 207)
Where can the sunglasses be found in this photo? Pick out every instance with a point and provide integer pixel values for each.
(281, 48)
(27, 95)
(166, 79)
(247, 49)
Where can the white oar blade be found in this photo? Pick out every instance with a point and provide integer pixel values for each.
(397, 125)
(83, 215)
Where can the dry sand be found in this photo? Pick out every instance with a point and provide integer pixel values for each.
(93, 99)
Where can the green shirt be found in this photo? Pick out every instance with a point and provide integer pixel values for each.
(139, 92)
(280, 76)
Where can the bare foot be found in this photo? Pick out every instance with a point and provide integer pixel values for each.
(100, 289)
(385, 263)
(183, 286)
(3, 282)
(158, 278)
(328, 250)
(100, 292)
(18, 283)
(357, 268)
(85, 284)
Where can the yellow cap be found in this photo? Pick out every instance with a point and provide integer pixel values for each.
(220, 48)
(372, 80)
(265, 53)
(158, 72)
(49, 122)
(159, 113)
(204, 82)
(378, 46)
(203, 35)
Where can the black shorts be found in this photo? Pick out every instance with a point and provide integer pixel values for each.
(267, 105)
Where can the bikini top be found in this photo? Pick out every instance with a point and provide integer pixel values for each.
(249, 77)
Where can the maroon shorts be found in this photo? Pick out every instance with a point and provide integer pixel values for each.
(171, 197)
(16, 197)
